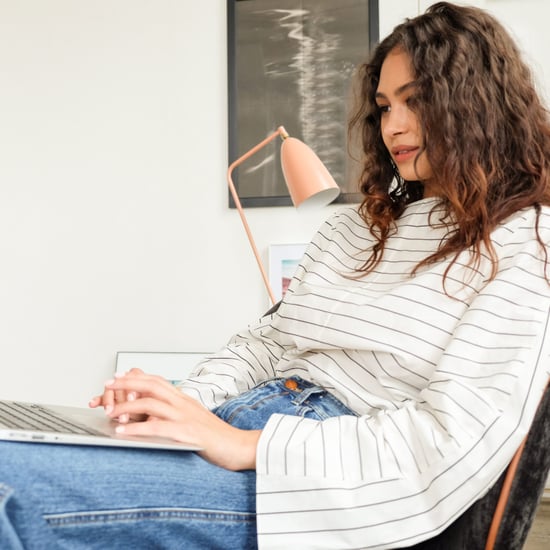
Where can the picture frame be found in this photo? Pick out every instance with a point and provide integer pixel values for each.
(291, 63)
(283, 261)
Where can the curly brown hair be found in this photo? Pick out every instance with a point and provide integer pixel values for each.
(487, 133)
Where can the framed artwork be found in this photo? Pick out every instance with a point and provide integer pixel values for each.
(283, 261)
(291, 63)
(174, 366)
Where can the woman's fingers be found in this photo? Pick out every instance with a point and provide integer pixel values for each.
(95, 401)
(108, 400)
(145, 407)
(113, 395)
(135, 371)
(119, 396)
(144, 385)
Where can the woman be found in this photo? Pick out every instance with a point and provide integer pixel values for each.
(401, 371)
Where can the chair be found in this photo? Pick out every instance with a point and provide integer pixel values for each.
(501, 519)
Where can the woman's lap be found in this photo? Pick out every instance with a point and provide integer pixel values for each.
(58, 496)
(85, 497)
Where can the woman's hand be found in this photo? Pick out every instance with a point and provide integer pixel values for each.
(156, 408)
(110, 397)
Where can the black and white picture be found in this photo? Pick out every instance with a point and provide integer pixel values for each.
(291, 63)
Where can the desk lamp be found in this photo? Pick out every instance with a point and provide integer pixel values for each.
(307, 178)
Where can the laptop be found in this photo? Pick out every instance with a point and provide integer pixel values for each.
(38, 423)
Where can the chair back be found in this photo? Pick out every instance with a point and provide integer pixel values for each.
(526, 484)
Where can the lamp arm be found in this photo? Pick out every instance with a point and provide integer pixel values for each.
(279, 132)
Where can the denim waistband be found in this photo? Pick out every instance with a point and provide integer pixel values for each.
(292, 396)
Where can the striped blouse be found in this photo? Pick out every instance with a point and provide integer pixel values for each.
(445, 380)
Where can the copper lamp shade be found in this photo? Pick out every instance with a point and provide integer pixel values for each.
(307, 178)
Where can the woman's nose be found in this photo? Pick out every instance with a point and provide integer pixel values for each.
(395, 122)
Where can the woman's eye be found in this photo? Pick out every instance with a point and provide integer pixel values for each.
(384, 108)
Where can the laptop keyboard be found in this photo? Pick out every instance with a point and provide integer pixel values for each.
(29, 416)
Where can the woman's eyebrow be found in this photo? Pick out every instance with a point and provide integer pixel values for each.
(402, 89)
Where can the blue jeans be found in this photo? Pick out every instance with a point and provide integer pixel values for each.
(76, 497)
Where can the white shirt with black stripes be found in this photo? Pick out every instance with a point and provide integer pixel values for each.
(445, 380)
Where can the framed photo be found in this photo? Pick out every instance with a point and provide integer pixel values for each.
(291, 63)
(283, 261)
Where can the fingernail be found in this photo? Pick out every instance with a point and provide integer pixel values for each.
(123, 418)
(108, 409)
(119, 429)
(132, 396)
(119, 374)
(109, 382)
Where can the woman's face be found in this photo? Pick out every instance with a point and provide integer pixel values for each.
(401, 131)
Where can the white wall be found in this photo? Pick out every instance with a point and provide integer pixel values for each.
(114, 227)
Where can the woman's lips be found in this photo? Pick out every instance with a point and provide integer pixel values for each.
(404, 153)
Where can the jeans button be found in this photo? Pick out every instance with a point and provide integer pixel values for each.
(291, 384)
